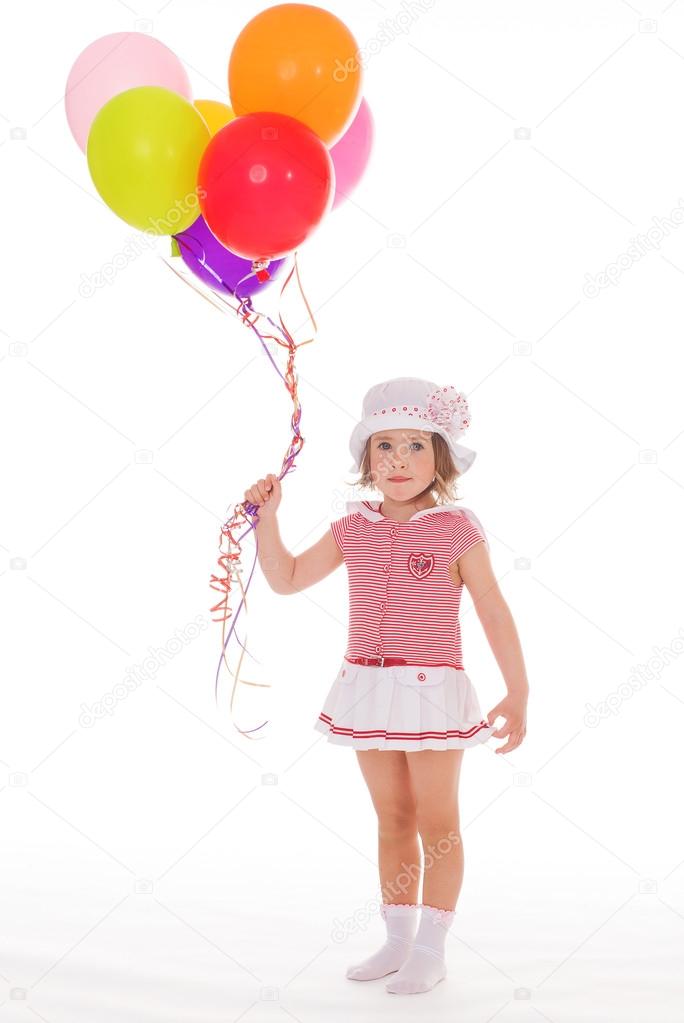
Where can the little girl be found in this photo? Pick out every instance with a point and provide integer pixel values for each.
(402, 698)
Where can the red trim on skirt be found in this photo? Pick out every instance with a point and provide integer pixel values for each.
(376, 733)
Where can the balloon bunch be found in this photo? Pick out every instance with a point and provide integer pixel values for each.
(238, 187)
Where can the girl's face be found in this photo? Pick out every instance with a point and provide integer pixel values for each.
(402, 462)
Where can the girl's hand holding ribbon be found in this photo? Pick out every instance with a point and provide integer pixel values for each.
(266, 493)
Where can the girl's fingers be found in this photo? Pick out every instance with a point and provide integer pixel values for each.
(262, 490)
(513, 742)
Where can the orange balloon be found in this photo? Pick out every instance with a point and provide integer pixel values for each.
(215, 114)
(299, 60)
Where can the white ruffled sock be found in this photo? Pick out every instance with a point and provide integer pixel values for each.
(401, 921)
(426, 964)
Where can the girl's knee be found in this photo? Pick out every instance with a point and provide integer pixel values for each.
(439, 827)
(398, 821)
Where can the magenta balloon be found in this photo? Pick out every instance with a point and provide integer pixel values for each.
(113, 64)
(351, 153)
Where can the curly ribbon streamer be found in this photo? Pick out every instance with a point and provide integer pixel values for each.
(229, 560)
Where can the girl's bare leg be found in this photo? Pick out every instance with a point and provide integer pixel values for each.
(386, 775)
(435, 776)
(434, 780)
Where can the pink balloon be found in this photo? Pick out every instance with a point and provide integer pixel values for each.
(351, 153)
(112, 64)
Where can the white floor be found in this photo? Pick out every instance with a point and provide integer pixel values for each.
(256, 913)
(143, 963)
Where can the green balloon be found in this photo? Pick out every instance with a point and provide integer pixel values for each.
(144, 149)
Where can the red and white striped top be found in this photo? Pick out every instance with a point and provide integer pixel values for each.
(402, 600)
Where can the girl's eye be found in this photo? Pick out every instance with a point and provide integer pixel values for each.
(415, 443)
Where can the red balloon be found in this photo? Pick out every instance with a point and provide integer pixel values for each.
(265, 182)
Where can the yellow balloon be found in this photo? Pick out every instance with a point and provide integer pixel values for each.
(216, 114)
(144, 149)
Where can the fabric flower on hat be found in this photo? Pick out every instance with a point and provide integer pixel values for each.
(448, 408)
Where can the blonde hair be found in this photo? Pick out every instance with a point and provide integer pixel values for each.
(443, 488)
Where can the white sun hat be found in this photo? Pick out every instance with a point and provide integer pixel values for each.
(414, 404)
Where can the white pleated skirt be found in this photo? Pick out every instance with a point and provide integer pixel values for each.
(405, 707)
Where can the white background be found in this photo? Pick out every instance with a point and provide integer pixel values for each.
(158, 866)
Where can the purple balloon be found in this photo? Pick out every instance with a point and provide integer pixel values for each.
(216, 265)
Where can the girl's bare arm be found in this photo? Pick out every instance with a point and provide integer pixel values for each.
(287, 573)
(495, 615)
(497, 622)
(284, 572)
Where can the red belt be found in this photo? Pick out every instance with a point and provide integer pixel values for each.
(382, 661)
(386, 660)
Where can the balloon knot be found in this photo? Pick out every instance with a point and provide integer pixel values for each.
(259, 268)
